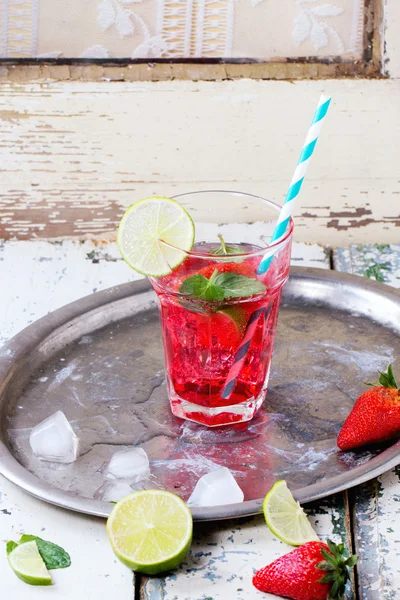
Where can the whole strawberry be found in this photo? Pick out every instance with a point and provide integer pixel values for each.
(314, 571)
(375, 416)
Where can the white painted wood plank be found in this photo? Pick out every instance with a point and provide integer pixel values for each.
(392, 38)
(377, 503)
(388, 518)
(310, 255)
(36, 278)
(225, 555)
(42, 276)
(75, 154)
(379, 262)
(94, 573)
(39, 277)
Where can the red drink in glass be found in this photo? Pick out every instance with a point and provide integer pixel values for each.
(201, 340)
(207, 344)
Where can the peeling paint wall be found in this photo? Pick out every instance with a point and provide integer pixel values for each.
(75, 154)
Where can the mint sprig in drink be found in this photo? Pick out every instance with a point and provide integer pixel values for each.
(218, 315)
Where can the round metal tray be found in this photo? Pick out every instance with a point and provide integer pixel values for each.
(99, 360)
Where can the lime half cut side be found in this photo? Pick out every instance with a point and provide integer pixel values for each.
(285, 517)
(150, 531)
(28, 565)
(154, 236)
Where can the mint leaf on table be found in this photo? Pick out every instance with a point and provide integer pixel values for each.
(54, 557)
(198, 286)
(221, 286)
(10, 546)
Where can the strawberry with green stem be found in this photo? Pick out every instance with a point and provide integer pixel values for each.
(313, 571)
(375, 416)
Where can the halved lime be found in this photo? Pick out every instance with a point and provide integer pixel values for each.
(150, 531)
(285, 517)
(28, 565)
(154, 235)
(237, 316)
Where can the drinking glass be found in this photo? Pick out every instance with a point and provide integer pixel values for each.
(218, 350)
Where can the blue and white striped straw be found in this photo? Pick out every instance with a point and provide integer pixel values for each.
(298, 177)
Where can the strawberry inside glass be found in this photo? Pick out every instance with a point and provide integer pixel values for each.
(219, 320)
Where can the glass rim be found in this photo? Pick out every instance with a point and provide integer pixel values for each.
(280, 243)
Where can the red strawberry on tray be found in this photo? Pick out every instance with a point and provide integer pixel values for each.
(313, 571)
(375, 416)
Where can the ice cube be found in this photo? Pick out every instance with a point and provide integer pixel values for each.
(216, 488)
(54, 439)
(131, 464)
(113, 491)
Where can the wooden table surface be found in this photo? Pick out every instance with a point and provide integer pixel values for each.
(40, 276)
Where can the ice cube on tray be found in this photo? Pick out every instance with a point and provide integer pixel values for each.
(112, 491)
(216, 488)
(132, 464)
(54, 439)
(115, 489)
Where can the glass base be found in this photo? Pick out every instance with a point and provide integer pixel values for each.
(215, 417)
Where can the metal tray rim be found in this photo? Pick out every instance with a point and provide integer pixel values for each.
(29, 337)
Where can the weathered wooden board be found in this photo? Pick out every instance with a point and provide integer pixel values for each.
(392, 38)
(224, 557)
(74, 155)
(94, 570)
(376, 504)
(39, 276)
(379, 262)
(193, 71)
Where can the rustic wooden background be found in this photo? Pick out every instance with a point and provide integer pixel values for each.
(75, 154)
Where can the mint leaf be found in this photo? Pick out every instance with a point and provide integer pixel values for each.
(225, 250)
(54, 556)
(198, 286)
(221, 286)
(10, 546)
(238, 286)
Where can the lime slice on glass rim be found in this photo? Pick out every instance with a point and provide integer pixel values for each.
(28, 565)
(154, 235)
(150, 531)
(285, 517)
